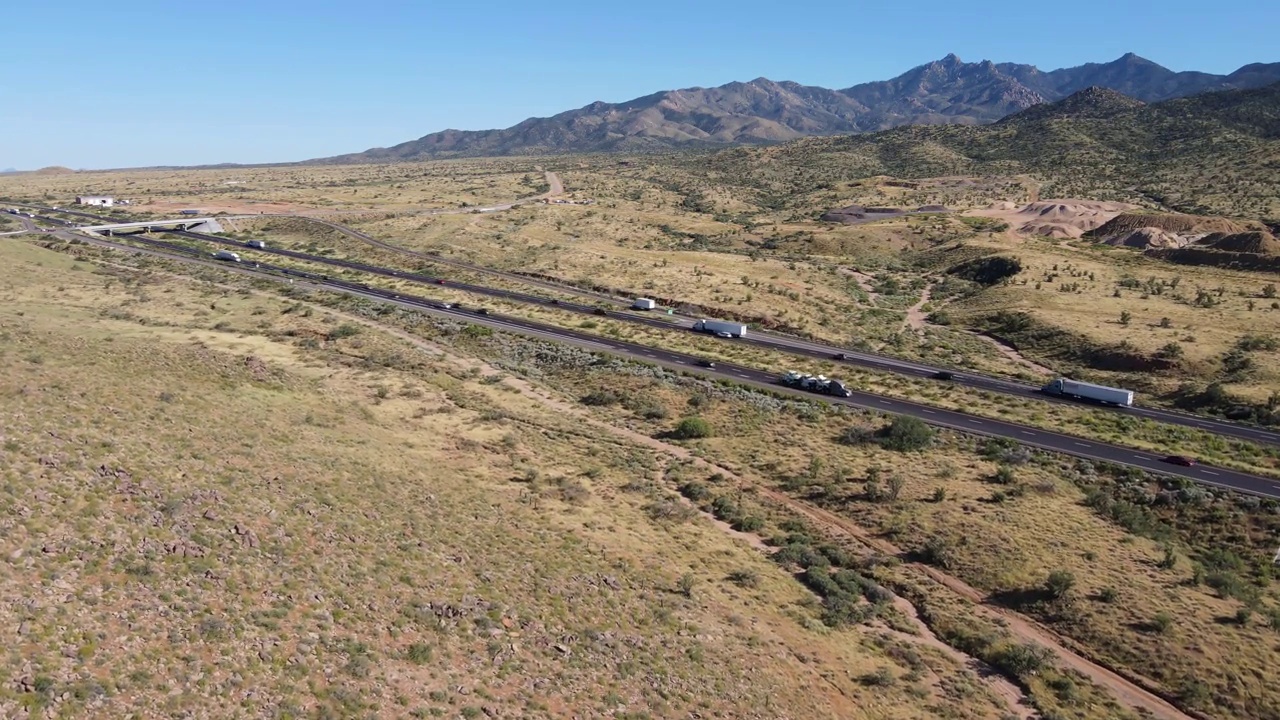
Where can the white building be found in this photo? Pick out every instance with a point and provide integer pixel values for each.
(95, 200)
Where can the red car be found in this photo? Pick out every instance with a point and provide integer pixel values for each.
(1180, 460)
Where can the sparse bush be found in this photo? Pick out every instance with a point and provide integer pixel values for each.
(1021, 660)
(744, 578)
(1162, 622)
(686, 584)
(344, 330)
(1059, 583)
(695, 491)
(601, 398)
(419, 653)
(906, 434)
(691, 428)
(937, 551)
(856, 435)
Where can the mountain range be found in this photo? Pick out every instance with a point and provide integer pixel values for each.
(762, 111)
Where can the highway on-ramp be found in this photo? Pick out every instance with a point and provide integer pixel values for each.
(1035, 437)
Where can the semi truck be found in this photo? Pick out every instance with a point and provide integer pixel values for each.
(226, 255)
(720, 327)
(643, 304)
(1063, 387)
(820, 384)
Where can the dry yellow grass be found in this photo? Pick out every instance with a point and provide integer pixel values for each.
(219, 503)
(642, 236)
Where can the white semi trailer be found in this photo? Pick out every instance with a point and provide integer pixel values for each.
(719, 327)
(643, 304)
(1063, 387)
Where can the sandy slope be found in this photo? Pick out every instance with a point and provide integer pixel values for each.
(1053, 218)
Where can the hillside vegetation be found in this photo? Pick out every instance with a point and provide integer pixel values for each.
(1215, 153)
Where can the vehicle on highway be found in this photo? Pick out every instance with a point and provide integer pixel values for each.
(553, 301)
(717, 327)
(724, 335)
(944, 375)
(226, 255)
(482, 311)
(600, 311)
(643, 304)
(439, 282)
(820, 384)
(1064, 387)
(256, 244)
(1181, 460)
(706, 363)
(840, 356)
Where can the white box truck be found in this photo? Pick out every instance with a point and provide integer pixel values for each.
(643, 304)
(720, 327)
(1063, 387)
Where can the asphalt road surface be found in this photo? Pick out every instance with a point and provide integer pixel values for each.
(1047, 440)
(762, 339)
(792, 345)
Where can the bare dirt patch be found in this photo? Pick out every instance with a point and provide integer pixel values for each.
(1053, 218)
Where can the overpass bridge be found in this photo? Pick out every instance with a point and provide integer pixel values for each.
(205, 224)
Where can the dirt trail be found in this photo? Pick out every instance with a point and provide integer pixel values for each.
(554, 185)
(1014, 355)
(1125, 691)
(916, 314)
(864, 283)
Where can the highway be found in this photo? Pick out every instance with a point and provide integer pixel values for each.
(761, 339)
(1043, 439)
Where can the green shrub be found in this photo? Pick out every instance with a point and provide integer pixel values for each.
(691, 428)
(906, 434)
(1060, 583)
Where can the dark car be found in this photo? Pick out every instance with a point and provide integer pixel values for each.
(553, 301)
(439, 282)
(840, 356)
(706, 363)
(482, 311)
(1181, 460)
(944, 375)
(600, 311)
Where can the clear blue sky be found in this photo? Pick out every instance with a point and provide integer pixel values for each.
(98, 84)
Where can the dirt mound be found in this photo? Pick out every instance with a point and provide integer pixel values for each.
(1054, 218)
(1061, 231)
(1256, 242)
(1085, 215)
(1148, 237)
(1171, 222)
(847, 214)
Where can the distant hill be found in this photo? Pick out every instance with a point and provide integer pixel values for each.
(1213, 153)
(762, 111)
